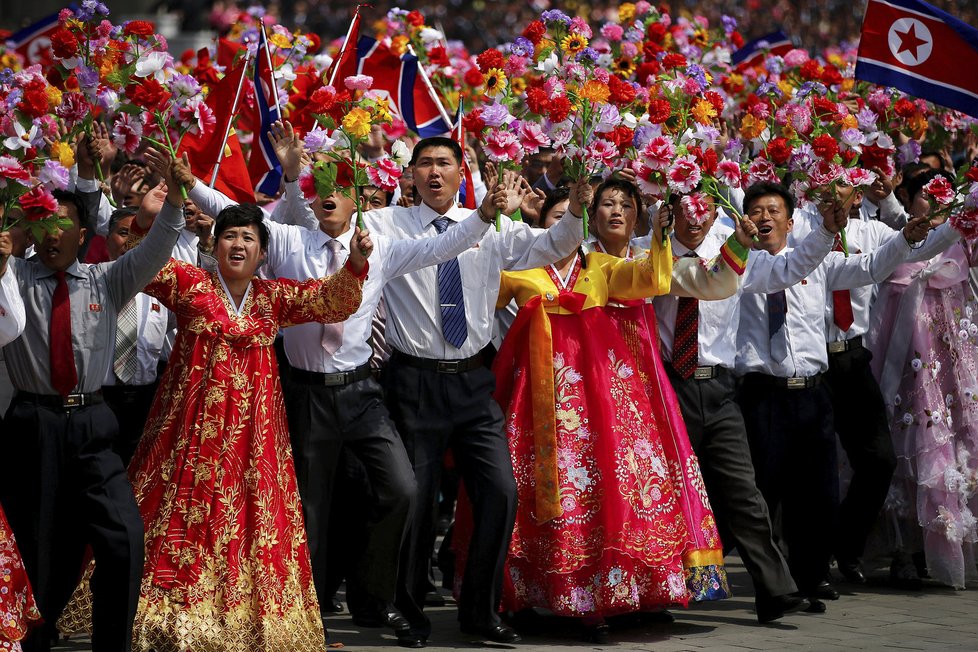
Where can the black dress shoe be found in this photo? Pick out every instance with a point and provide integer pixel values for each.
(496, 633)
(815, 606)
(333, 606)
(773, 608)
(411, 640)
(851, 571)
(599, 633)
(824, 591)
(904, 575)
(386, 615)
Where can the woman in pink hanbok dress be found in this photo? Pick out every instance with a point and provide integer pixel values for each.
(924, 338)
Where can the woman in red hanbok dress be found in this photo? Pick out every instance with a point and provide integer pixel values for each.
(227, 567)
(600, 529)
(18, 612)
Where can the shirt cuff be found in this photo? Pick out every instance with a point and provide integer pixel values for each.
(87, 185)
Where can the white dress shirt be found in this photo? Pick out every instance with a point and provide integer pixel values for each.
(153, 323)
(864, 236)
(413, 310)
(805, 317)
(299, 253)
(718, 320)
(13, 318)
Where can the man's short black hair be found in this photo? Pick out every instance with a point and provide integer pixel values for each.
(73, 198)
(765, 188)
(120, 214)
(436, 141)
(242, 215)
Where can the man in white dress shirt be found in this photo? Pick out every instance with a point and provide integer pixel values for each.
(782, 357)
(12, 315)
(863, 432)
(141, 330)
(438, 389)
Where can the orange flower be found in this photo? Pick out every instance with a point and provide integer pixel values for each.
(751, 127)
(703, 112)
(399, 44)
(594, 91)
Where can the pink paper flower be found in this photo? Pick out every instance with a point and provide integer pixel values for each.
(12, 170)
(503, 146)
(127, 133)
(826, 173)
(384, 174)
(966, 223)
(531, 137)
(729, 174)
(859, 177)
(940, 189)
(683, 175)
(73, 109)
(658, 153)
(601, 151)
(359, 82)
(696, 206)
(38, 203)
(612, 31)
(307, 184)
(761, 169)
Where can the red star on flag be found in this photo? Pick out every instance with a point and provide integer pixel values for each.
(910, 41)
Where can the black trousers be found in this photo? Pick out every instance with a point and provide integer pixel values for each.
(793, 447)
(434, 411)
(64, 489)
(719, 438)
(130, 404)
(323, 423)
(860, 422)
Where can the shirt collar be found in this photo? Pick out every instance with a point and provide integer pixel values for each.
(429, 215)
(345, 238)
(73, 270)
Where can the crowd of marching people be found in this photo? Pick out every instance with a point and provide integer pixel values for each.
(612, 303)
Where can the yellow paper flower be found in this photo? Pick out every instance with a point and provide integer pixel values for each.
(850, 122)
(624, 67)
(399, 44)
(63, 152)
(700, 37)
(573, 43)
(54, 96)
(594, 91)
(703, 112)
(518, 85)
(751, 127)
(847, 84)
(357, 123)
(495, 82)
(786, 87)
(626, 12)
(280, 41)
(382, 109)
(789, 132)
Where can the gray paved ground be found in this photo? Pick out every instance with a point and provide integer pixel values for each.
(874, 617)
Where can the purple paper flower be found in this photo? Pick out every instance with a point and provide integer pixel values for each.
(522, 47)
(555, 16)
(54, 175)
(729, 24)
(495, 115)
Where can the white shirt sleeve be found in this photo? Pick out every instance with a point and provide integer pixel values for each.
(13, 318)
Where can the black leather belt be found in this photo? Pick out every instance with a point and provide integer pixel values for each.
(845, 345)
(331, 380)
(441, 366)
(795, 382)
(62, 402)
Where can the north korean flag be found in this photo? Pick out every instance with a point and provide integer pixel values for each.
(755, 51)
(34, 41)
(264, 167)
(923, 51)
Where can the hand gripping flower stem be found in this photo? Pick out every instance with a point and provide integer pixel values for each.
(167, 147)
(712, 188)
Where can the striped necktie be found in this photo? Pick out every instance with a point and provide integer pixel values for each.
(333, 333)
(126, 331)
(685, 346)
(450, 296)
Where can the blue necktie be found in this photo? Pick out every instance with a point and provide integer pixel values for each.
(453, 325)
(777, 308)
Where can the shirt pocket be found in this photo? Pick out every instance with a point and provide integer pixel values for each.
(474, 265)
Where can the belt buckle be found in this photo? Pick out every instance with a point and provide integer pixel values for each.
(796, 383)
(447, 366)
(337, 378)
(838, 347)
(703, 373)
(73, 400)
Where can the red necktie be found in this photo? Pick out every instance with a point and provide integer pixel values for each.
(685, 346)
(841, 300)
(64, 377)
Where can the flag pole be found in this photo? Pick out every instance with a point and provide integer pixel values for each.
(271, 67)
(346, 45)
(227, 132)
(431, 89)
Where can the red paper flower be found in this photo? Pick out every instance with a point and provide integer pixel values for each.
(474, 78)
(940, 189)
(904, 108)
(779, 151)
(560, 108)
(831, 76)
(491, 58)
(473, 123)
(537, 101)
(141, 28)
(825, 147)
(648, 69)
(438, 56)
(535, 31)
(415, 18)
(659, 111)
(622, 93)
(972, 173)
(656, 33)
(38, 204)
(966, 223)
(35, 100)
(715, 99)
(811, 70)
(149, 94)
(64, 44)
(673, 60)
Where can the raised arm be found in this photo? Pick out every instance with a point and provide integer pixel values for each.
(864, 269)
(523, 247)
(643, 277)
(12, 315)
(406, 256)
(326, 300)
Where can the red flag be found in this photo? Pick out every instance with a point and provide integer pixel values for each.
(205, 150)
(227, 51)
(263, 165)
(345, 64)
(467, 189)
(916, 47)
(34, 42)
